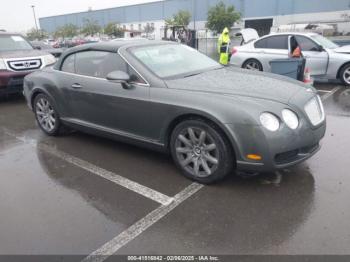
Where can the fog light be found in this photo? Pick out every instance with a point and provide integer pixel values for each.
(254, 157)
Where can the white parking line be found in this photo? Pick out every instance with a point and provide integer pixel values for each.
(117, 179)
(168, 203)
(328, 95)
(136, 229)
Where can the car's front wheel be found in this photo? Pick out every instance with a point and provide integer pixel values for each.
(345, 75)
(46, 115)
(201, 151)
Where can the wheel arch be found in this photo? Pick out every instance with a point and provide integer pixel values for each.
(341, 68)
(193, 116)
(38, 91)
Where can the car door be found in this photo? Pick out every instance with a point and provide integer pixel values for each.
(271, 48)
(105, 105)
(316, 58)
(66, 82)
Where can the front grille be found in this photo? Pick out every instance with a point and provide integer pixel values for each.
(16, 81)
(314, 110)
(25, 65)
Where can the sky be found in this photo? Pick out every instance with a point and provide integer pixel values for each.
(17, 15)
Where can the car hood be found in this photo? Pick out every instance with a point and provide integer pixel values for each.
(232, 81)
(22, 54)
(343, 49)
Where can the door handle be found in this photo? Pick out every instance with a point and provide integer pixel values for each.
(76, 86)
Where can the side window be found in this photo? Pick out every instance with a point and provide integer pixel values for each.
(261, 43)
(134, 76)
(69, 64)
(306, 44)
(277, 42)
(115, 62)
(91, 63)
(99, 64)
(273, 42)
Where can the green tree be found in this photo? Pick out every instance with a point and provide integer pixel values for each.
(68, 30)
(91, 27)
(58, 33)
(114, 29)
(221, 16)
(182, 18)
(34, 34)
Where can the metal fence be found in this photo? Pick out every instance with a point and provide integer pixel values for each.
(209, 45)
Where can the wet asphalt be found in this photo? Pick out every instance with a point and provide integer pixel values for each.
(49, 205)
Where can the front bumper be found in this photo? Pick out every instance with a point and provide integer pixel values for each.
(279, 150)
(11, 82)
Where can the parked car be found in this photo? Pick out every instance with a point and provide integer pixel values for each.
(171, 97)
(51, 42)
(56, 52)
(325, 59)
(17, 59)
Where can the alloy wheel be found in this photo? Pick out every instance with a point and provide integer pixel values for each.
(45, 114)
(197, 152)
(252, 65)
(346, 75)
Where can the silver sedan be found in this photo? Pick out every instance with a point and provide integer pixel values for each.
(325, 59)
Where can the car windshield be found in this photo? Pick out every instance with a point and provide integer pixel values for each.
(13, 43)
(171, 61)
(326, 43)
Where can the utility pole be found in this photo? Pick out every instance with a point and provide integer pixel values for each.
(36, 24)
(194, 13)
(194, 23)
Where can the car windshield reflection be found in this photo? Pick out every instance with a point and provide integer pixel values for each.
(171, 61)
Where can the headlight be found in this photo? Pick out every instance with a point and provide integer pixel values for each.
(2, 65)
(49, 60)
(270, 121)
(290, 118)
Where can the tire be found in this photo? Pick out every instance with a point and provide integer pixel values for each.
(201, 151)
(344, 75)
(46, 116)
(252, 64)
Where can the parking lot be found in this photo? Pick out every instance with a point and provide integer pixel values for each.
(82, 195)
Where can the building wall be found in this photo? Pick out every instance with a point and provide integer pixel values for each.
(158, 11)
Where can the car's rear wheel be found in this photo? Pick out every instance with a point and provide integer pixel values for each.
(253, 64)
(345, 75)
(201, 151)
(46, 115)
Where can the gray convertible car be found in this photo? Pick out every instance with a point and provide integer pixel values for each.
(167, 96)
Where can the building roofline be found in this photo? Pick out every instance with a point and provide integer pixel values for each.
(104, 9)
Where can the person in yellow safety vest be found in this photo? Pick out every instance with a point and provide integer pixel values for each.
(224, 47)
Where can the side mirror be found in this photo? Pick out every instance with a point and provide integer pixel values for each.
(321, 48)
(37, 47)
(118, 77)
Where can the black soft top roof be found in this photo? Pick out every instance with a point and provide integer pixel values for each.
(111, 46)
